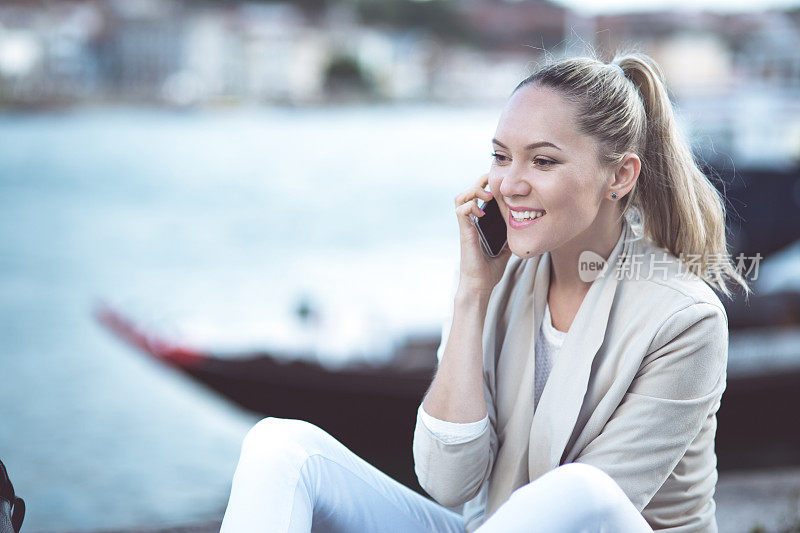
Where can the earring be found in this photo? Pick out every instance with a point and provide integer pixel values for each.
(613, 196)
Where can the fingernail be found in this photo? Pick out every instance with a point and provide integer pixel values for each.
(482, 211)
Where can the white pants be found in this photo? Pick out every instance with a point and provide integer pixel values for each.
(292, 476)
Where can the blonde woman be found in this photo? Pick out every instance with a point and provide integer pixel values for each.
(566, 399)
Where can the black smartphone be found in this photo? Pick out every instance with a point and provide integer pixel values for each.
(492, 230)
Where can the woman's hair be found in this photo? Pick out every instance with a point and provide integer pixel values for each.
(629, 110)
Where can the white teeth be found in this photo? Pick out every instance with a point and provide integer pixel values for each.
(526, 215)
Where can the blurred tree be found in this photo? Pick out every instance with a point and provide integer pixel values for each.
(344, 75)
(438, 16)
(313, 9)
(441, 17)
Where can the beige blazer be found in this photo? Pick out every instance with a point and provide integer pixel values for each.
(634, 390)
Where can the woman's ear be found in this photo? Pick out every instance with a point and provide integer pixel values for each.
(626, 174)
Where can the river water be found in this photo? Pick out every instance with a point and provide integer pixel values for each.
(209, 227)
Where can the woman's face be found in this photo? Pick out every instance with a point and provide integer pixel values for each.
(543, 163)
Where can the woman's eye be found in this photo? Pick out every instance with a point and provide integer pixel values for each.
(500, 158)
(544, 162)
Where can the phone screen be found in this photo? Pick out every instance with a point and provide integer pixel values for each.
(492, 228)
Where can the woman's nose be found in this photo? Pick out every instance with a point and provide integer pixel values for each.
(512, 185)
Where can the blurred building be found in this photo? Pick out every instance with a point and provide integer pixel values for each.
(141, 44)
(735, 78)
(47, 55)
(255, 52)
(732, 75)
(501, 25)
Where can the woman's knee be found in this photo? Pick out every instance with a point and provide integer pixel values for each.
(591, 478)
(592, 491)
(272, 437)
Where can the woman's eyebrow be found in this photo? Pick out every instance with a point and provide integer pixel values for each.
(531, 146)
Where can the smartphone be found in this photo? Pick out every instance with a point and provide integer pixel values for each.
(492, 230)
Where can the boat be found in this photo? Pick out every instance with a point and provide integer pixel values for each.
(371, 408)
(762, 207)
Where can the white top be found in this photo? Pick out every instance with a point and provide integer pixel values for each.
(548, 342)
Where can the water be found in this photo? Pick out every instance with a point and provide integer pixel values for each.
(208, 227)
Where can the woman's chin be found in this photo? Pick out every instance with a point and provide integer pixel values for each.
(525, 249)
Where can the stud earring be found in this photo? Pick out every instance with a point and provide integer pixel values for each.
(613, 196)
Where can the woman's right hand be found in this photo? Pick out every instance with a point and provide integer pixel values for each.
(479, 272)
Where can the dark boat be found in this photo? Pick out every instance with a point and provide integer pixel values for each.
(372, 408)
(762, 207)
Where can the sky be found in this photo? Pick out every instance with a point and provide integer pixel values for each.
(606, 6)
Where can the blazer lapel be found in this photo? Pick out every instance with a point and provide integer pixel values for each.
(562, 397)
(515, 367)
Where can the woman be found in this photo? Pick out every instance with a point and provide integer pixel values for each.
(619, 435)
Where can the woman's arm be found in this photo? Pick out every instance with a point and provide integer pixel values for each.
(453, 472)
(450, 467)
(456, 394)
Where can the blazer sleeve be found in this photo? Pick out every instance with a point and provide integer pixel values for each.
(678, 383)
(452, 432)
(454, 472)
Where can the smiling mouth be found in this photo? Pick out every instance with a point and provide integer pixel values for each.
(522, 216)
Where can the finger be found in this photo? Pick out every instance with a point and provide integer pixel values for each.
(464, 210)
(466, 195)
(483, 181)
(473, 192)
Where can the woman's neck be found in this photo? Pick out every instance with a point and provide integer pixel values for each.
(565, 275)
(567, 290)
